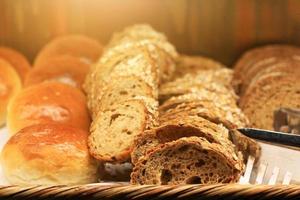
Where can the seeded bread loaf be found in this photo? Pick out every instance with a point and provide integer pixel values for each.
(192, 64)
(187, 161)
(113, 130)
(231, 117)
(258, 57)
(178, 128)
(268, 94)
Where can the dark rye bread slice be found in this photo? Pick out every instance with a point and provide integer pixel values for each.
(268, 94)
(229, 116)
(178, 128)
(187, 161)
(192, 64)
(114, 129)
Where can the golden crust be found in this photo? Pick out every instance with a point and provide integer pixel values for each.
(17, 60)
(48, 102)
(48, 154)
(65, 69)
(83, 47)
(10, 85)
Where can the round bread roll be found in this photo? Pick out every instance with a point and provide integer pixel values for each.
(45, 103)
(65, 69)
(10, 85)
(17, 60)
(48, 154)
(83, 47)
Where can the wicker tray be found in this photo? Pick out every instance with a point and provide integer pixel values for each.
(123, 191)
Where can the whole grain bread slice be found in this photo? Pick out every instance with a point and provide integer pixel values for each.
(114, 129)
(178, 128)
(187, 161)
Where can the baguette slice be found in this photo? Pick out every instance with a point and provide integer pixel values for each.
(178, 128)
(187, 161)
(114, 129)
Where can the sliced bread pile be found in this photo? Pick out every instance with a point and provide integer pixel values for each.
(267, 79)
(194, 142)
(122, 90)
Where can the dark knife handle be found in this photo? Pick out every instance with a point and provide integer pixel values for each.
(272, 136)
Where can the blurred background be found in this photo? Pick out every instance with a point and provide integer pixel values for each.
(221, 29)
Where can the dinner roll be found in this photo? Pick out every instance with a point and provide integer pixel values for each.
(48, 154)
(65, 69)
(17, 60)
(10, 85)
(48, 102)
(83, 47)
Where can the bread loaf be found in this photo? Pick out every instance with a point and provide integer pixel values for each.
(82, 47)
(190, 160)
(10, 85)
(48, 102)
(17, 61)
(122, 90)
(268, 94)
(192, 64)
(113, 130)
(48, 154)
(65, 69)
(174, 129)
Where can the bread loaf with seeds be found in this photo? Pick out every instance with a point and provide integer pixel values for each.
(187, 64)
(190, 160)
(172, 130)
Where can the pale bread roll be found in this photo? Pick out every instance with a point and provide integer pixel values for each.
(45, 103)
(48, 154)
(10, 85)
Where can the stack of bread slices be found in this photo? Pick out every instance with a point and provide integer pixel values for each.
(189, 138)
(267, 79)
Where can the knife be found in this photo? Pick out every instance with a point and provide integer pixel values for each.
(272, 136)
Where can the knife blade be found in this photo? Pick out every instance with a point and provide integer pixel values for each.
(272, 136)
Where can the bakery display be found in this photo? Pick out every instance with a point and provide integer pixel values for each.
(48, 102)
(10, 85)
(122, 90)
(268, 83)
(80, 46)
(66, 69)
(17, 60)
(48, 154)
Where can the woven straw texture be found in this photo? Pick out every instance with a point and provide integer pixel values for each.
(122, 191)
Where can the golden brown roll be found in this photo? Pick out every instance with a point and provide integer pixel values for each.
(17, 60)
(66, 69)
(10, 85)
(83, 47)
(48, 154)
(45, 103)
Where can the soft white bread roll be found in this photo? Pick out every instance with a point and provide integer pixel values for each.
(17, 60)
(48, 154)
(45, 103)
(66, 69)
(83, 47)
(10, 85)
